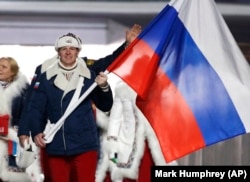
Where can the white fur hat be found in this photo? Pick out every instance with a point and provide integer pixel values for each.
(68, 40)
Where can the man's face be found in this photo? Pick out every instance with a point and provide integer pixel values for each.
(68, 55)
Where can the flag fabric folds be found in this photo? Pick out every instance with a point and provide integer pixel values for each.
(192, 80)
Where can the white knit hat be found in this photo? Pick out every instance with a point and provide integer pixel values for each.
(68, 40)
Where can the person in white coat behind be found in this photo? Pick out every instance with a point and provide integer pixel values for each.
(13, 86)
(123, 140)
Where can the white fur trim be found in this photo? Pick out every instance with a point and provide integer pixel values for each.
(15, 176)
(13, 90)
(49, 63)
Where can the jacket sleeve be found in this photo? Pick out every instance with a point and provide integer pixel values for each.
(36, 109)
(101, 64)
(103, 100)
(18, 106)
(24, 125)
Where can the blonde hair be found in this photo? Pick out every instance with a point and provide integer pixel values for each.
(13, 65)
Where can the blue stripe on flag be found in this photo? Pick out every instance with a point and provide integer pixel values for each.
(201, 86)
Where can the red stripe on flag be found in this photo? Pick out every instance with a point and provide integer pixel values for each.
(171, 118)
(136, 66)
(10, 147)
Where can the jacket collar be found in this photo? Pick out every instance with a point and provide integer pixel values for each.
(60, 80)
(81, 69)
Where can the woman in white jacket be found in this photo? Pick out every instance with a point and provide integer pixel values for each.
(13, 86)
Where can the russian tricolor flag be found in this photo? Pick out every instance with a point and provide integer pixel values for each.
(192, 80)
